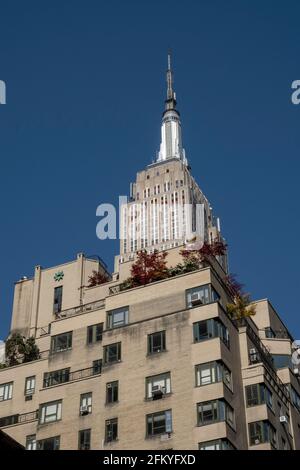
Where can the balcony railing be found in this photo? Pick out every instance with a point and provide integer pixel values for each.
(19, 418)
(72, 376)
(70, 312)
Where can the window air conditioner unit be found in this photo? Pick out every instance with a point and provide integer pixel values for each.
(84, 410)
(165, 437)
(254, 355)
(283, 419)
(257, 441)
(296, 371)
(196, 299)
(28, 397)
(157, 391)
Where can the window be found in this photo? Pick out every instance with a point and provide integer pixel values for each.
(84, 439)
(31, 442)
(159, 423)
(215, 411)
(212, 328)
(157, 342)
(52, 443)
(94, 333)
(97, 366)
(218, 444)
(61, 342)
(258, 394)
(112, 392)
(117, 317)
(213, 372)
(158, 385)
(111, 430)
(201, 295)
(50, 412)
(6, 391)
(295, 397)
(57, 303)
(56, 377)
(269, 333)
(85, 403)
(282, 360)
(29, 385)
(112, 353)
(9, 420)
(260, 432)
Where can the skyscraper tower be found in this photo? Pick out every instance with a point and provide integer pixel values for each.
(167, 208)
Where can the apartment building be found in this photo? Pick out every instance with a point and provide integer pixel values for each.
(157, 366)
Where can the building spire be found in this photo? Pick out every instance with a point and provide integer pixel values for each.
(171, 96)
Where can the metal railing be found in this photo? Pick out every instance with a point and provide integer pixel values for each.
(70, 312)
(19, 418)
(72, 376)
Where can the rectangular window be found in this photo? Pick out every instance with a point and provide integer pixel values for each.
(201, 295)
(9, 420)
(215, 411)
(282, 360)
(269, 332)
(261, 432)
(31, 442)
(112, 353)
(158, 385)
(57, 303)
(111, 430)
(50, 412)
(97, 366)
(61, 342)
(51, 443)
(157, 342)
(94, 333)
(295, 397)
(213, 372)
(159, 423)
(6, 391)
(258, 394)
(29, 385)
(112, 392)
(84, 439)
(85, 404)
(218, 444)
(117, 317)
(56, 377)
(212, 328)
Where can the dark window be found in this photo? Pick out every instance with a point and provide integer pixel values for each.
(61, 342)
(117, 317)
(97, 366)
(57, 304)
(111, 430)
(258, 394)
(112, 353)
(159, 423)
(201, 295)
(260, 432)
(94, 333)
(84, 439)
(52, 443)
(30, 442)
(56, 377)
(157, 342)
(269, 332)
(218, 444)
(215, 411)
(9, 420)
(282, 360)
(212, 328)
(112, 392)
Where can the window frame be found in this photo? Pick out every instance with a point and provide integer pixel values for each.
(94, 333)
(56, 440)
(29, 391)
(57, 299)
(163, 342)
(31, 442)
(7, 393)
(54, 339)
(44, 418)
(221, 411)
(117, 355)
(88, 398)
(111, 428)
(166, 378)
(211, 296)
(83, 433)
(266, 432)
(113, 389)
(56, 377)
(214, 327)
(217, 371)
(168, 423)
(111, 323)
(263, 396)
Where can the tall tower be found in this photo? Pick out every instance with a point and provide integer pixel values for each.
(166, 207)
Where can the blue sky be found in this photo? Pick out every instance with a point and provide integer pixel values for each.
(85, 90)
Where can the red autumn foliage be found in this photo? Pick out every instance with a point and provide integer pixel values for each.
(216, 248)
(96, 279)
(149, 267)
(234, 286)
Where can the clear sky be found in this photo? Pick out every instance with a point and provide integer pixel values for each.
(85, 89)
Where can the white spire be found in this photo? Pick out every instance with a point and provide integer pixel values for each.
(171, 143)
